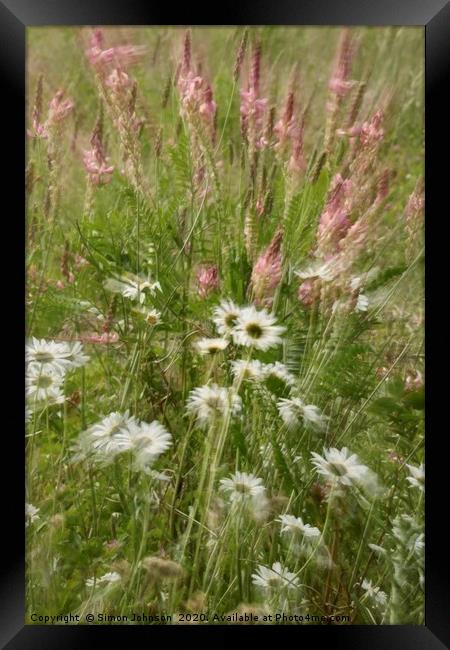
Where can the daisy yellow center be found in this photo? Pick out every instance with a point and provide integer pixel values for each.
(44, 356)
(230, 320)
(213, 402)
(274, 581)
(243, 488)
(254, 330)
(212, 349)
(339, 469)
(151, 319)
(115, 429)
(44, 381)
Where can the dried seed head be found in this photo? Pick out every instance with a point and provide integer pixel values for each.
(319, 492)
(278, 503)
(57, 521)
(252, 610)
(197, 603)
(160, 569)
(123, 567)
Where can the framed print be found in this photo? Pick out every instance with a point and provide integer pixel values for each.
(227, 415)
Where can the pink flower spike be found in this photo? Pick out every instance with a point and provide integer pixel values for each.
(207, 279)
(266, 274)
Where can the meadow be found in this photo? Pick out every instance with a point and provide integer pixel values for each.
(224, 315)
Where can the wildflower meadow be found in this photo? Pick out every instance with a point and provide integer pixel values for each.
(224, 314)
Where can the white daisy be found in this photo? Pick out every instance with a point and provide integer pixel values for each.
(256, 328)
(225, 316)
(277, 578)
(43, 383)
(151, 316)
(31, 513)
(242, 486)
(294, 526)
(317, 269)
(110, 436)
(132, 286)
(211, 346)
(293, 409)
(341, 468)
(378, 596)
(149, 441)
(109, 578)
(281, 372)
(59, 354)
(210, 401)
(417, 478)
(252, 370)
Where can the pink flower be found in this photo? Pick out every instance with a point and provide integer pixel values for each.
(267, 272)
(59, 108)
(118, 80)
(80, 262)
(334, 221)
(339, 86)
(414, 381)
(372, 132)
(307, 292)
(97, 167)
(196, 97)
(121, 56)
(38, 131)
(207, 279)
(339, 83)
(103, 339)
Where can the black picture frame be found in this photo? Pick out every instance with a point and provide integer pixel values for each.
(434, 16)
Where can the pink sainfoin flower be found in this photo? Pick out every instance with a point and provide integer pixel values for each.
(97, 167)
(414, 381)
(308, 291)
(334, 221)
(286, 125)
(297, 162)
(266, 274)
(96, 163)
(196, 97)
(253, 107)
(102, 339)
(38, 128)
(195, 93)
(289, 131)
(339, 82)
(372, 132)
(120, 56)
(207, 279)
(259, 207)
(416, 204)
(59, 109)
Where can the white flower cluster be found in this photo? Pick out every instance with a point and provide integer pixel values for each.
(46, 365)
(119, 432)
(255, 329)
